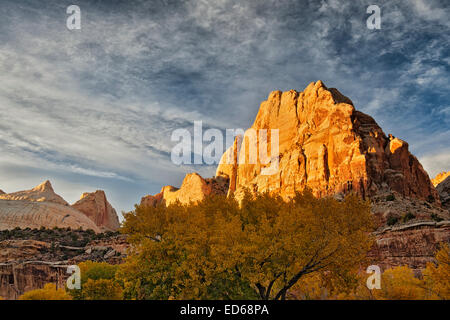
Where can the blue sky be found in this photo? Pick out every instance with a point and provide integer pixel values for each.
(95, 108)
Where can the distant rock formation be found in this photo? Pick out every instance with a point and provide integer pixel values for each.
(440, 177)
(95, 206)
(443, 189)
(41, 193)
(42, 207)
(33, 214)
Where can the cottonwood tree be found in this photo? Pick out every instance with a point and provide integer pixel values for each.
(259, 249)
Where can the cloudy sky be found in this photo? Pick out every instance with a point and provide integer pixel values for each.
(95, 108)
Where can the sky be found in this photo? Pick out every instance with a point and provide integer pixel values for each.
(95, 108)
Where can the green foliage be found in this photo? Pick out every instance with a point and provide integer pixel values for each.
(391, 221)
(408, 216)
(98, 282)
(60, 236)
(390, 197)
(436, 218)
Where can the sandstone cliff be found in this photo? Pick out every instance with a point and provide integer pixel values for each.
(413, 244)
(95, 206)
(42, 207)
(327, 145)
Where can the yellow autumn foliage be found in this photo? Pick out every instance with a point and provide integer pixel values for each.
(436, 277)
(260, 249)
(49, 292)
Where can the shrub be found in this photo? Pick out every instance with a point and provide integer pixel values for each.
(102, 289)
(49, 292)
(390, 197)
(391, 221)
(408, 216)
(436, 218)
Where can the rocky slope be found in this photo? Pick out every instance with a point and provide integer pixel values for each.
(42, 207)
(95, 206)
(30, 264)
(413, 244)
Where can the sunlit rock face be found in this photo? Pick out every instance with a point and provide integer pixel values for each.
(193, 189)
(440, 177)
(327, 145)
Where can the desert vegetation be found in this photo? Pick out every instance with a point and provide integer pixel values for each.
(61, 236)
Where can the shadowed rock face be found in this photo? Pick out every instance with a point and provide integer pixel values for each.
(414, 245)
(15, 280)
(444, 192)
(95, 206)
